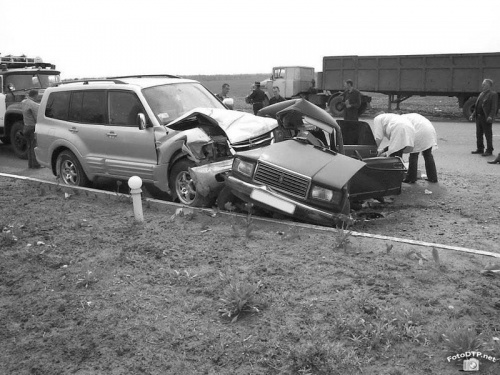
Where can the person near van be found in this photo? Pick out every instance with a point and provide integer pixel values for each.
(256, 98)
(30, 112)
(398, 130)
(425, 141)
(277, 98)
(352, 101)
(484, 114)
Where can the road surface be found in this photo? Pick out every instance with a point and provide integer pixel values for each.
(456, 140)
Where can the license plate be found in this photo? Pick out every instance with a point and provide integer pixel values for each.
(270, 200)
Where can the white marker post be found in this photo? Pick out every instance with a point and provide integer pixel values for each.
(135, 184)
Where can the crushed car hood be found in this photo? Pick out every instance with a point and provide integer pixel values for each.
(331, 169)
(311, 113)
(238, 126)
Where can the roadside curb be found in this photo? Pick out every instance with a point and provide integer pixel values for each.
(54, 186)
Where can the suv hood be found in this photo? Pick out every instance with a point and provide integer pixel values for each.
(238, 126)
(328, 168)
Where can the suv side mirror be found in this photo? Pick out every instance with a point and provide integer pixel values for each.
(142, 121)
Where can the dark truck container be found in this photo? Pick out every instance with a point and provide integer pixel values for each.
(401, 77)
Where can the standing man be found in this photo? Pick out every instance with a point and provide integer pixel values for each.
(225, 91)
(277, 98)
(425, 142)
(484, 114)
(30, 112)
(352, 101)
(224, 95)
(257, 98)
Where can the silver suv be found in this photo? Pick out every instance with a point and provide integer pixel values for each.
(154, 127)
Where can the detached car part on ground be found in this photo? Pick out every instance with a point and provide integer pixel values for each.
(308, 177)
(152, 127)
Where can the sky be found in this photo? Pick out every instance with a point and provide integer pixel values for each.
(98, 38)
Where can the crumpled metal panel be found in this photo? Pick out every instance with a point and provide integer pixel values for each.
(238, 126)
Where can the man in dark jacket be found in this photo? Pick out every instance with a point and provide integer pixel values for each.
(484, 114)
(277, 98)
(257, 98)
(352, 101)
(30, 113)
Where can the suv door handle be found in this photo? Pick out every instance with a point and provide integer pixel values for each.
(73, 130)
(111, 135)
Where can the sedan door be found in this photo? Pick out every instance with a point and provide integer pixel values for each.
(358, 139)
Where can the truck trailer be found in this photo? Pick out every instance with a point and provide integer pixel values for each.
(399, 77)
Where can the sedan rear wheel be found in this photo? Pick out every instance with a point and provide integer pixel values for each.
(70, 170)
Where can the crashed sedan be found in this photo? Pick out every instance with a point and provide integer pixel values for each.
(307, 175)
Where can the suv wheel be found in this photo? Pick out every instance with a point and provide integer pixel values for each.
(182, 185)
(70, 170)
(19, 143)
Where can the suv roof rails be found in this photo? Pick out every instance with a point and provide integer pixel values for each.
(146, 76)
(87, 81)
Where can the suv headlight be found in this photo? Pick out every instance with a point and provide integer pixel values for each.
(244, 167)
(327, 195)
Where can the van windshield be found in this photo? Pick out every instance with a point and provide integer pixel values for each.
(171, 101)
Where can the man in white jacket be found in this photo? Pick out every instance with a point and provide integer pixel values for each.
(425, 141)
(398, 130)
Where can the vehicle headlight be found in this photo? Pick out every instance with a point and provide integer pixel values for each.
(243, 167)
(323, 194)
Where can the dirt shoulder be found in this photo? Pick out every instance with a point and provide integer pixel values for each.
(85, 289)
(458, 211)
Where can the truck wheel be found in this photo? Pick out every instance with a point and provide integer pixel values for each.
(182, 185)
(5, 140)
(469, 106)
(336, 106)
(19, 143)
(362, 108)
(69, 169)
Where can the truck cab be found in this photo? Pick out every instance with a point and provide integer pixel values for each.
(19, 75)
(291, 80)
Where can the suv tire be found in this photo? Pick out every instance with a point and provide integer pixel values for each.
(19, 143)
(182, 185)
(69, 169)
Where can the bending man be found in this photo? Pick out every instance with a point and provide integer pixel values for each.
(398, 130)
(425, 141)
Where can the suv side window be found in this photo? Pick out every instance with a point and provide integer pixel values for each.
(123, 108)
(75, 111)
(94, 107)
(88, 107)
(58, 105)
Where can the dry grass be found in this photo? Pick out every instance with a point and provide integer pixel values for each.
(113, 296)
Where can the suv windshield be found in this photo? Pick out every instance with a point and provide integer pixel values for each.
(31, 81)
(171, 101)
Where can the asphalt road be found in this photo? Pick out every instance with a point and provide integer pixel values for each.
(455, 142)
